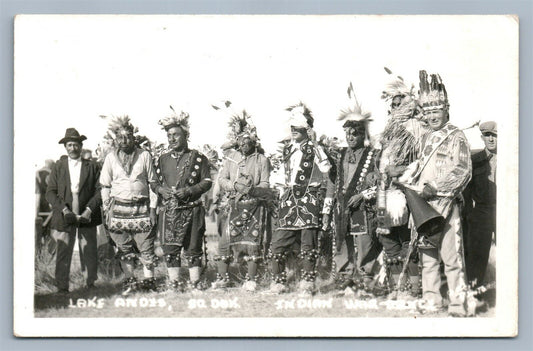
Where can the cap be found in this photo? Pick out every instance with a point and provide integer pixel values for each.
(488, 127)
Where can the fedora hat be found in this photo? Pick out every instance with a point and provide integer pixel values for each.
(71, 134)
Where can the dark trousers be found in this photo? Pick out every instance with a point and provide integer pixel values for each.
(396, 244)
(360, 263)
(283, 241)
(64, 249)
(478, 241)
(368, 250)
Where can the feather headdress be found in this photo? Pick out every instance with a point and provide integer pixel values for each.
(354, 117)
(115, 126)
(176, 120)
(240, 126)
(396, 87)
(432, 94)
(402, 136)
(300, 116)
(121, 123)
(354, 113)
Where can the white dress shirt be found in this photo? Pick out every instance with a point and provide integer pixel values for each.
(74, 168)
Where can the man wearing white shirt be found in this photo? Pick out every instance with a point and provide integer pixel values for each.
(74, 193)
(129, 209)
(305, 166)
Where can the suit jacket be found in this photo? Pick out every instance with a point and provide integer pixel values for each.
(59, 195)
(481, 190)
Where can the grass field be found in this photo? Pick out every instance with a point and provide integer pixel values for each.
(105, 299)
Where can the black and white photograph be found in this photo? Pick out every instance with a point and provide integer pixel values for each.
(266, 175)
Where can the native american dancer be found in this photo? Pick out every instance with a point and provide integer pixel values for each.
(183, 176)
(350, 198)
(305, 166)
(400, 145)
(244, 178)
(129, 212)
(439, 176)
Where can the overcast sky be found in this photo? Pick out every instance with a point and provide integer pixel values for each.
(71, 69)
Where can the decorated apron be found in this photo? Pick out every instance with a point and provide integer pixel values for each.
(247, 217)
(300, 205)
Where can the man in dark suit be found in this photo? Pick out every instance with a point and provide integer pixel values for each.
(480, 206)
(74, 193)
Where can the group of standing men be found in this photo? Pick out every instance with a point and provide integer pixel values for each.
(360, 194)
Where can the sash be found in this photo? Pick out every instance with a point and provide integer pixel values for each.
(128, 216)
(192, 169)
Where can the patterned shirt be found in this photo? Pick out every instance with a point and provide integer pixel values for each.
(445, 165)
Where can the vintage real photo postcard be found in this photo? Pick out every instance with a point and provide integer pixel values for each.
(231, 175)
